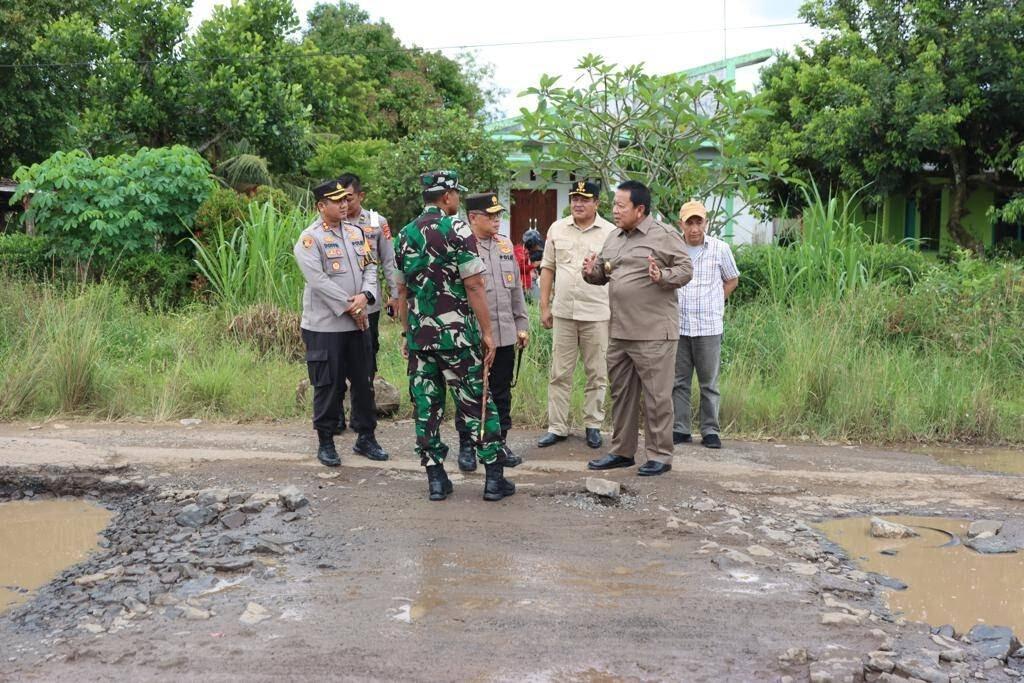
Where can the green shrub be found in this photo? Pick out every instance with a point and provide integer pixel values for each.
(224, 207)
(331, 159)
(265, 194)
(24, 256)
(155, 280)
(98, 210)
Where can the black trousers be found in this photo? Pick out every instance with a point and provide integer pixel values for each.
(331, 359)
(499, 386)
(374, 340)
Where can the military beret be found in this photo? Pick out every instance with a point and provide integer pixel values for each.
(485, 201)
(440, 181)
(330, 189)
(586, 188)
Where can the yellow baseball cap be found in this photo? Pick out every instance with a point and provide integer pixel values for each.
(691, 209)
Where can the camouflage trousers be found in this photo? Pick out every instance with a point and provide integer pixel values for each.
(430, 372)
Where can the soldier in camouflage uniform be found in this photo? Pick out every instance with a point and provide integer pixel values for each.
(378, 237)
(443, 308)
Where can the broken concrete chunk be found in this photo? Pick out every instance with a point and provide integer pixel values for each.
(881, 528)
(292, 499)
(984, 528)
(603, 487)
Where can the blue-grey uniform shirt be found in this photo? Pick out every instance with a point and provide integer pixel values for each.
(337, 265)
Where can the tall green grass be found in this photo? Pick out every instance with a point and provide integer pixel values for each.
(254, 264)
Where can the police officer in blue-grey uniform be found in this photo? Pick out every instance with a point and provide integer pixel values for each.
(341, 281)
(377, 233)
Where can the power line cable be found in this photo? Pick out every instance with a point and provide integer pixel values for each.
(381, 51)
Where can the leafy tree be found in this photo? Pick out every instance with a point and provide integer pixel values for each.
(673, 134)
(104, 208)
(348, 156)
(444, 138)
(35, 101)
(895, 92)
(394, 82)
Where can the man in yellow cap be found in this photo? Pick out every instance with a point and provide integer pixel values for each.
(701, 309)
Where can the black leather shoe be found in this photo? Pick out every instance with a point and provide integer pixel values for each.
(711, 441)
(653, 468)
(467, 454)
(679, 437)
(341, 425)
(326, 453)
(508, 458)
(594, 439)
(439, 486)
(549, 439)
(367, 445)
(610, 462)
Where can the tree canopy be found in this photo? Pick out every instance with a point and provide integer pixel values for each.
(113, 76)
(896, 92)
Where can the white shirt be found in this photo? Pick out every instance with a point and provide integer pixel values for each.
(702, 300)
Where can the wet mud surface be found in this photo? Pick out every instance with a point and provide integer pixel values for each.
(717, 571)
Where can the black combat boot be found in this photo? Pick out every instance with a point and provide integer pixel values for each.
(467, 454)
(507, 457)
(367, 445)
(438, 483)
(326, 453)
(496, 486)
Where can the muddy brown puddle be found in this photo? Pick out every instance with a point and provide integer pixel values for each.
(40, 538)
(947, 584)
(1006, 461)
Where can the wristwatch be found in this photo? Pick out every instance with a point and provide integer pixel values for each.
(370, 298)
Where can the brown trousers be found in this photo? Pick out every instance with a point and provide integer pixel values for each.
(642, 370)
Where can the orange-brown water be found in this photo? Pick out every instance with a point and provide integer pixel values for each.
(947, 585)
(40, 538)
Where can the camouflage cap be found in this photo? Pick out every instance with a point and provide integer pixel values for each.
(441, 181)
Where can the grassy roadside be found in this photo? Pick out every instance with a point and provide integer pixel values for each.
(879, 365)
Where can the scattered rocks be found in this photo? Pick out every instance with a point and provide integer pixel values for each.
(794, 655)
(233, 520)
(603, 487)
(844, 670)
(839, 619)
(993, 641)
(887, 582)
(760, 551)
(922, 669)
(984, 528)
(776, 536)
(193, 515)
(881, 528)
(292, 499)
(254, 614)
(879, 661)
(257, 502)
(839, 584)
(194, 613)
(730, 558)
(385, 397)
(802, 568)
(992, 545)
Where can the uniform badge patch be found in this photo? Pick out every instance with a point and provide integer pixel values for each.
(333, 252)
(386, 229)
(307, 242)
(328, 240)
(336, 266)
(505, 247)
(510, 278)
(354, 234)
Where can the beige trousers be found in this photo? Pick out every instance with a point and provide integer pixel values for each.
(569, 339)
(642, 370)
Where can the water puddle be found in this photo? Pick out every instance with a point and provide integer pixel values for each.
(948, 583)
(40, 538)
(1006, 461)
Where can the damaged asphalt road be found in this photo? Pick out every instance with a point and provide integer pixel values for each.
(233, 555)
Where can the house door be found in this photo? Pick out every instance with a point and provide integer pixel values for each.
(535, 209)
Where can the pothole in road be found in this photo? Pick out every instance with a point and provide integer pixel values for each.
(947, 583)
(1005, 461)
(40, 538)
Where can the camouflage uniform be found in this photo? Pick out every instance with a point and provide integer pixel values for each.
(444, 340)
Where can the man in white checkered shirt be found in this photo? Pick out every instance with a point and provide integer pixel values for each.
(701, 307)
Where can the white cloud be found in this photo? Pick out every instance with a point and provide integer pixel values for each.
(678, 35)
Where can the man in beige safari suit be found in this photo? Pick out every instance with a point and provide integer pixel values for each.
(643, 263)
(577, 315)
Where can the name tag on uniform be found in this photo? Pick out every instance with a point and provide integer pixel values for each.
(504, 257)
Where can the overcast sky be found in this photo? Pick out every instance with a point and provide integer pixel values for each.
(666, 36)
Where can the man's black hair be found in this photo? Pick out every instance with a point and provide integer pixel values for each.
(351, 180)
(638, 194)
